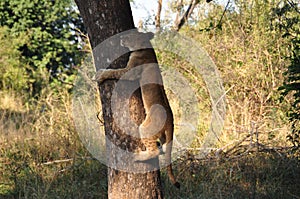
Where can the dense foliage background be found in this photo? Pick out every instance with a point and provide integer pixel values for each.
(45, 42)
(255, 45)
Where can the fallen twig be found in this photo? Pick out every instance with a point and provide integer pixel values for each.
(65, 161)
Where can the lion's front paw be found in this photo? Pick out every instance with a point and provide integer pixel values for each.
(100, 76)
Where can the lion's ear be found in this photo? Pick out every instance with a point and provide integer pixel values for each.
(150, 35)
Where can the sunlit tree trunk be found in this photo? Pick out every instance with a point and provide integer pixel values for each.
(102, 20)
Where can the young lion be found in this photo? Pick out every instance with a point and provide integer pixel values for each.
(158, 124)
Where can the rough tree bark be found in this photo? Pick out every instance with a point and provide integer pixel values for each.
(102, 20)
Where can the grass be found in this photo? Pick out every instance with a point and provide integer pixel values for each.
(33, 140)
(253, 175)
(42, 157)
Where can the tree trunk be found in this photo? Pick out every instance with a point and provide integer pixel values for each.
(103, 19)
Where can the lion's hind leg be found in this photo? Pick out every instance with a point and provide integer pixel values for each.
(151, 152)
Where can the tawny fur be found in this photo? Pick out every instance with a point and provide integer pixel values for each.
(158, 124)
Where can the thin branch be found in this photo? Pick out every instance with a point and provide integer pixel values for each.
(237, 144)
(223, 14)
(293, 4)
(186, 15)
(157, 17)
(179, 7)
(180, 22)
(220, 20)
(66, 160)
(57, 162)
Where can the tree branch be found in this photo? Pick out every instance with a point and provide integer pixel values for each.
(179, 7)
(180, 22)
(157, 17)
(185, 16)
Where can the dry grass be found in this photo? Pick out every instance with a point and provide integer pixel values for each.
(269, 174)
(41, 155)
